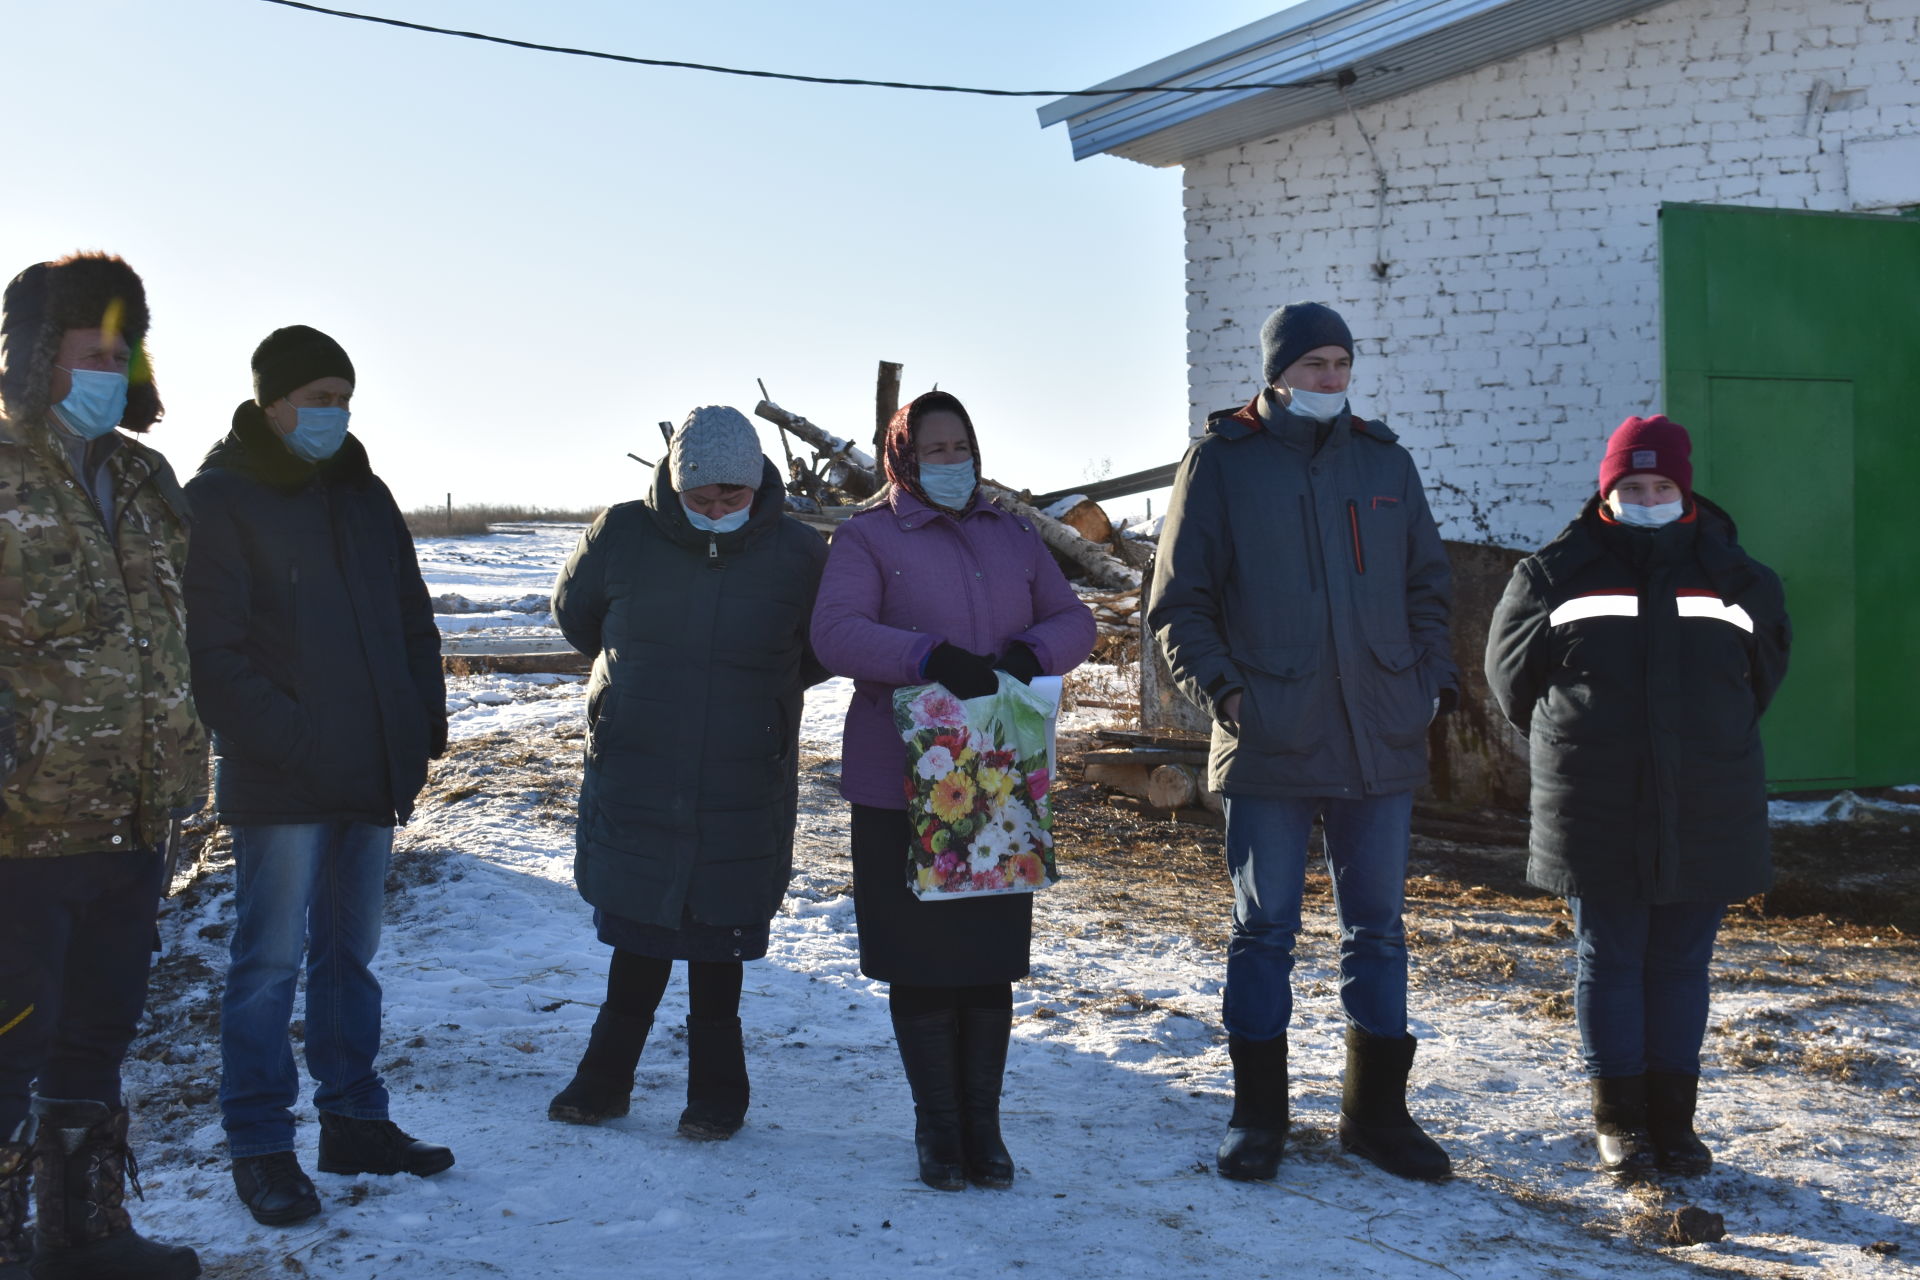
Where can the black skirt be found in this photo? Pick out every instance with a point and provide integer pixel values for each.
(962, 943)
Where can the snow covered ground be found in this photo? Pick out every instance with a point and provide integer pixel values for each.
(1117, 1087)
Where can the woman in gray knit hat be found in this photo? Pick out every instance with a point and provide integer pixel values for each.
(694, 603)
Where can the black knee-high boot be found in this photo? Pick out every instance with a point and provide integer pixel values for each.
(602, 1085)
(983, 1063)
(930, 1051)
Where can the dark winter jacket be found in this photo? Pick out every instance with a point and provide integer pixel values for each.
(1637, 662)
(99, 742)
(316, 661)
(1315, 585)
(699, 642)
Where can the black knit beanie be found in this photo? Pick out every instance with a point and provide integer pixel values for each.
(292, 357)
(1294, 330)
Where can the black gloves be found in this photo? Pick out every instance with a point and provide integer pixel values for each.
(1018, 661)
(965, 675)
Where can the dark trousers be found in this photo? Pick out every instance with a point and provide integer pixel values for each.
(1641, 993)
(76, 940)
(635, 984)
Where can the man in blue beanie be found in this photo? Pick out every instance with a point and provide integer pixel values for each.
(1301, 597)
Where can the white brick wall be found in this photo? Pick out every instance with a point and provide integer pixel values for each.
(1519, 321)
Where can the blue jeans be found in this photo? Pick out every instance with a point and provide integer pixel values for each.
(1641, 992)
(317, 888)
(1267, 858)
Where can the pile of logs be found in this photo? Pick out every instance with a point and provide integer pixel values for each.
(1167, 773)
(844, 472)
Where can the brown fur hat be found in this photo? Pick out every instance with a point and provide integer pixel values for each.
(79, 291)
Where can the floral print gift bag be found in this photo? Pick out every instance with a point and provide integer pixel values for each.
(977, 779)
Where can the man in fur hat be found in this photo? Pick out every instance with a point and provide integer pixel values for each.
(100, 749)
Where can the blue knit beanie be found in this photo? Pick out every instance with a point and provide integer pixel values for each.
(1294, 330)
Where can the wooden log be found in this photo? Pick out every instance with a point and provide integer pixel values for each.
(1172, 786)
(848, 466)
(1088, 520)
(1128, 776)
(886, 401)
(565, 662)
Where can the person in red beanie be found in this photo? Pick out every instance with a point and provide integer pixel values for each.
(1637, 651)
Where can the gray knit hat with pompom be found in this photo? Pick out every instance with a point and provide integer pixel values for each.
(716, 445)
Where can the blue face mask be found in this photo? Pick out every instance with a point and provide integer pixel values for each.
(948, 484)
(95, 405)
(724, 524)
(317, 433)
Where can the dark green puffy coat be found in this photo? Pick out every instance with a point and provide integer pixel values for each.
(699, 642)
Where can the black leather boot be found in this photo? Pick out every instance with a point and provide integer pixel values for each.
(276, 1191)
(602, 1085)
(983, 1064)
(1670, 1104)
(930, 1051)
(82, 1231)
(16, 1177)
(717, 1088)
(349, 1145)
(1257, 1130)
(1620, 1127)
(1374, 1122)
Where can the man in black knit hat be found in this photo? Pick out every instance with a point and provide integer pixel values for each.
(1301, 596)
(316, 664)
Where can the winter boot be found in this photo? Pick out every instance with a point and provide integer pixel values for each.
(1670, 1103)
(930, 1051)
(1620, 1127)
(602, 1085)
(716, 1080)
(1373, 1109)
(276, 1191)
(16, 1173)
(351, 1145)
(983, 1065)
(82, 1167)
(1257, 1130)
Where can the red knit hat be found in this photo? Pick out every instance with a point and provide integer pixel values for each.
(1648, 446)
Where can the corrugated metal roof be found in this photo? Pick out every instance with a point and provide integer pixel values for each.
(1388, 46)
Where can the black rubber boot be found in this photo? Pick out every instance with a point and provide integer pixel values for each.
(276, 1191)
(983, 1065)
(930, 1051)
(1670, 1105)
(82, 1231)
(348, 1145)
(16, 1177)
(717, 1088)
(1620, 1127)
(602, 1085)
(1374, 1123)
(1257, 1130)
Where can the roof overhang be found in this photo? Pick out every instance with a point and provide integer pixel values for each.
(1329, 54)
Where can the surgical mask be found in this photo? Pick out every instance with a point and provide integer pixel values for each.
(1321, 406)
(317, 433)
(1663, 513)
(95, 405)
(948, 484)
(721, 524)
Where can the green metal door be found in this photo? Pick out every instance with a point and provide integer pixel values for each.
(1792, 353)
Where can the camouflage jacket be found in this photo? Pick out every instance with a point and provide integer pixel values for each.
(98, 734)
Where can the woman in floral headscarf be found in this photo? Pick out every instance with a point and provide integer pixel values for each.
(936, 583)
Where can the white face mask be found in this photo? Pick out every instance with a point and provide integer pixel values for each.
(719, 524)
(1321, 406)
(1653, 517)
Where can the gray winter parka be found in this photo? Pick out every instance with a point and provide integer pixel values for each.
(699, 641)
(1315, 584)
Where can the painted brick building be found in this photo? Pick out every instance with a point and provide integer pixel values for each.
(1476, 184)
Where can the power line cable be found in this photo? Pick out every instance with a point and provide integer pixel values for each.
(788, 75)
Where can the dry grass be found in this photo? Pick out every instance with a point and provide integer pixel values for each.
(438, 522)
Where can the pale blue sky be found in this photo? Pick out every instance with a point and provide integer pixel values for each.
(533, 258)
